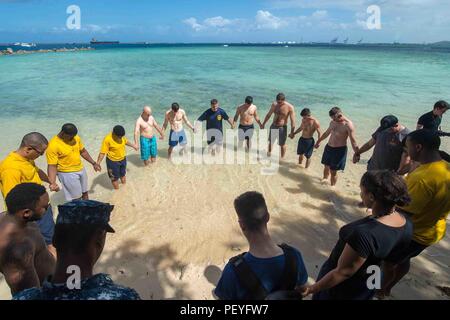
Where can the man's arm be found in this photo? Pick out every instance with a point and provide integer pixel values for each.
(292, 135)
(43, 176)
(318, 129)
(404, 166)
(292, 116)
(161, 133)
(258, 121)
(134, 146)
(324, 136)
(186, 120)
(18, 267)
(366, 147)
(231, 123)
(52, 171)
(137, 132)
(269, 114)
(86, 156)
(166, 122)
(236, 116)
(351, 134)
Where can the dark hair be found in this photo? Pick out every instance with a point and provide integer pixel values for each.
(252, 210)
(334, 111)
(429, 139)
(69, 129)
(74, 238)
(214, 101)
(281, 96)
(33, 139)
(175, 106)
(441, 105)
(119, 131)
(387, 187)
(305, 112)
(24, 196)
(249, 100)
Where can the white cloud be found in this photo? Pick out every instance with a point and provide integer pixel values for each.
(192, 22)
(266, 20)
(217, 22)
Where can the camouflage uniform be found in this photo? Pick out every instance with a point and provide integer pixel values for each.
(97, 287)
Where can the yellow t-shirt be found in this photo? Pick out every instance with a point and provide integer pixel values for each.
(429, 188)
(15, 170)
(65, 156)
(113, 150)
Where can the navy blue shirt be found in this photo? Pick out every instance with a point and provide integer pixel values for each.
(214, 119)
(268, 271)
(430, 122)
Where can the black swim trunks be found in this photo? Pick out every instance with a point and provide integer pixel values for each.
(305, 147)
(282, 134)
(335, 158)
(246, 132)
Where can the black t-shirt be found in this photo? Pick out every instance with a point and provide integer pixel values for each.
(373, 241)
(430, 122)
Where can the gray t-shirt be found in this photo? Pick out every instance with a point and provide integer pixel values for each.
(388, 150)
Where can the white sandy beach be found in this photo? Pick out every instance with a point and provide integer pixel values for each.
(176, 226)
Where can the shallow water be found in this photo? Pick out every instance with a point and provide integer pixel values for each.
(99, 89)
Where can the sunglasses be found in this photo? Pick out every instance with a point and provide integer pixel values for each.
(41, 153)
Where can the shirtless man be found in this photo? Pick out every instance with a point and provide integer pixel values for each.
(176, 116)
(306, 142)
(248, 114)
(144, 131)
(25, 260)
(335, 154)
(283, 110)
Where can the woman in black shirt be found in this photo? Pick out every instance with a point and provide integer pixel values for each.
(367, 242)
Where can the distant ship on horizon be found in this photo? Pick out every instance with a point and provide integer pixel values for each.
(94, 41)
(334, 41)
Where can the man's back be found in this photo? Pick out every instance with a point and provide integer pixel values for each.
(97, 287)
(269, 271)
(17, 246)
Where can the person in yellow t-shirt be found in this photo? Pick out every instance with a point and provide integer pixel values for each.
(19, 167)
(64, 154)
(113, 147)
(429, 188)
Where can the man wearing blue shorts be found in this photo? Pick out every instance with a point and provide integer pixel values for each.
(145, 127)
(176, 116)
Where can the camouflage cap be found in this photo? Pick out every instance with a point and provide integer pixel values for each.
(85, 212)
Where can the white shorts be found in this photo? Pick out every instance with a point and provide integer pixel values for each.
(74, 184)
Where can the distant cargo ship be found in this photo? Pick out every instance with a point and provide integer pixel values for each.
(94, 41)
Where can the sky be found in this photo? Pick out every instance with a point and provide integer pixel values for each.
(225, 21)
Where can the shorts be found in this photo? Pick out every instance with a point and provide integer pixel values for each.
(74, 184)
(246, 132)
(335, 158)
(47, 226)
(401, 256)
(282, 135)
(116, 169)
(149, 148)
(305, 147)
(176, 138)
(214, 137)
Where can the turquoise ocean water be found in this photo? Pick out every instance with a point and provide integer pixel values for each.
(99, 89)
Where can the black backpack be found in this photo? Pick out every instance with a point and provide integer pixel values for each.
(256, 291)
